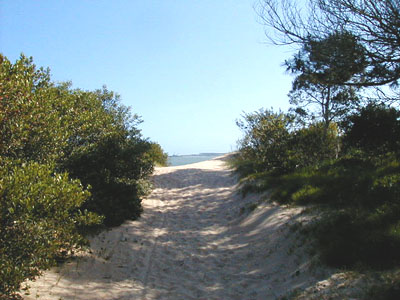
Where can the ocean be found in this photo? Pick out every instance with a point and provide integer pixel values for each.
(179, 160)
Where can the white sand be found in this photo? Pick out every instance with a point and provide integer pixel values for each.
(192, 242)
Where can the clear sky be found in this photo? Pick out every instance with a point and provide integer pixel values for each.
(188, 67)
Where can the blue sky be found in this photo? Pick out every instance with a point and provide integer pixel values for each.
(188, 67)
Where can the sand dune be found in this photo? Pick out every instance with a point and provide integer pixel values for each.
(194, 241)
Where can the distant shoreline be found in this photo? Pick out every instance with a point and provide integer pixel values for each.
(180, 160)
(200, 154)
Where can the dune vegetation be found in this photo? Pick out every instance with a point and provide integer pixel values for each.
(70, 160)
(337, 149)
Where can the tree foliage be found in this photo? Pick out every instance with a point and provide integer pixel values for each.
(56, 144)
(116, 169)
(42, 121)
(375, 24)
(322, 67)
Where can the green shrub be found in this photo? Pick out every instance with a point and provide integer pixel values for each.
(157, 155)
(266, 141)
(360, 202)
(306, 193)
(314, 144)
(49, 132)
(115, 168)
(42, 121)
(87, 134)
(272, 144)
(39, 220)
(375, 130)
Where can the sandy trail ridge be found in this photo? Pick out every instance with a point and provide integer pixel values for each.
(193, 241)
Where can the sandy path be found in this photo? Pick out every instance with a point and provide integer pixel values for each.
(191, 242)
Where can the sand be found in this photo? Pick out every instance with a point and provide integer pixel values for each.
(197, 239)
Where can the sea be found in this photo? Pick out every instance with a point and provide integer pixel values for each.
(180, 160)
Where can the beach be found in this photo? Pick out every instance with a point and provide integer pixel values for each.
(196, 239)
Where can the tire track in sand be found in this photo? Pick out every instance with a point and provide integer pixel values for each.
(150, 253)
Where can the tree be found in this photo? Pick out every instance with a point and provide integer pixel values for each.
(322, 67)
(375, 24)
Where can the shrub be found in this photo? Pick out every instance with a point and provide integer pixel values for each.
(39, 218)
(314, 144)
(271, 143)
(354, 237)
(87, 134)
(48, 133)
(115, 169)
(266, 141)
(374, 130)
(157, 155)
(387, 289)
(44, 122)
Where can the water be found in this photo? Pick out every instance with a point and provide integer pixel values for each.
(180, 160)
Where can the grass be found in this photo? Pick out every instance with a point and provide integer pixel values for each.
(357, 226)
(360, 201)
(388, 288)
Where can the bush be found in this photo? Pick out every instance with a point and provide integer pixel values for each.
(266, 141)
(49, 133)
(44, 122)
(271, 143)
(374, 130)
(115, 168)
(39, 218)
(87, 134)
(157, 155)
(355, 238)
(314, 144)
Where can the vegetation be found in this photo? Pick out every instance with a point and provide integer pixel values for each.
(337, 149)
(373, 24)
(69, 160)
(40, 219)
(157, 155)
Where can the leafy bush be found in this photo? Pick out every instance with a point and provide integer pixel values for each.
(115, 168)
(357, 237)
(374, 130)
(157, 154)
(271, 143)
(49, 134)
(39, 218)
(87, 134)
(266, 141)
(115, 164)
(314, 144)
(43, 122)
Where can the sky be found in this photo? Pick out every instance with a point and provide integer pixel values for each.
(189, 68)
